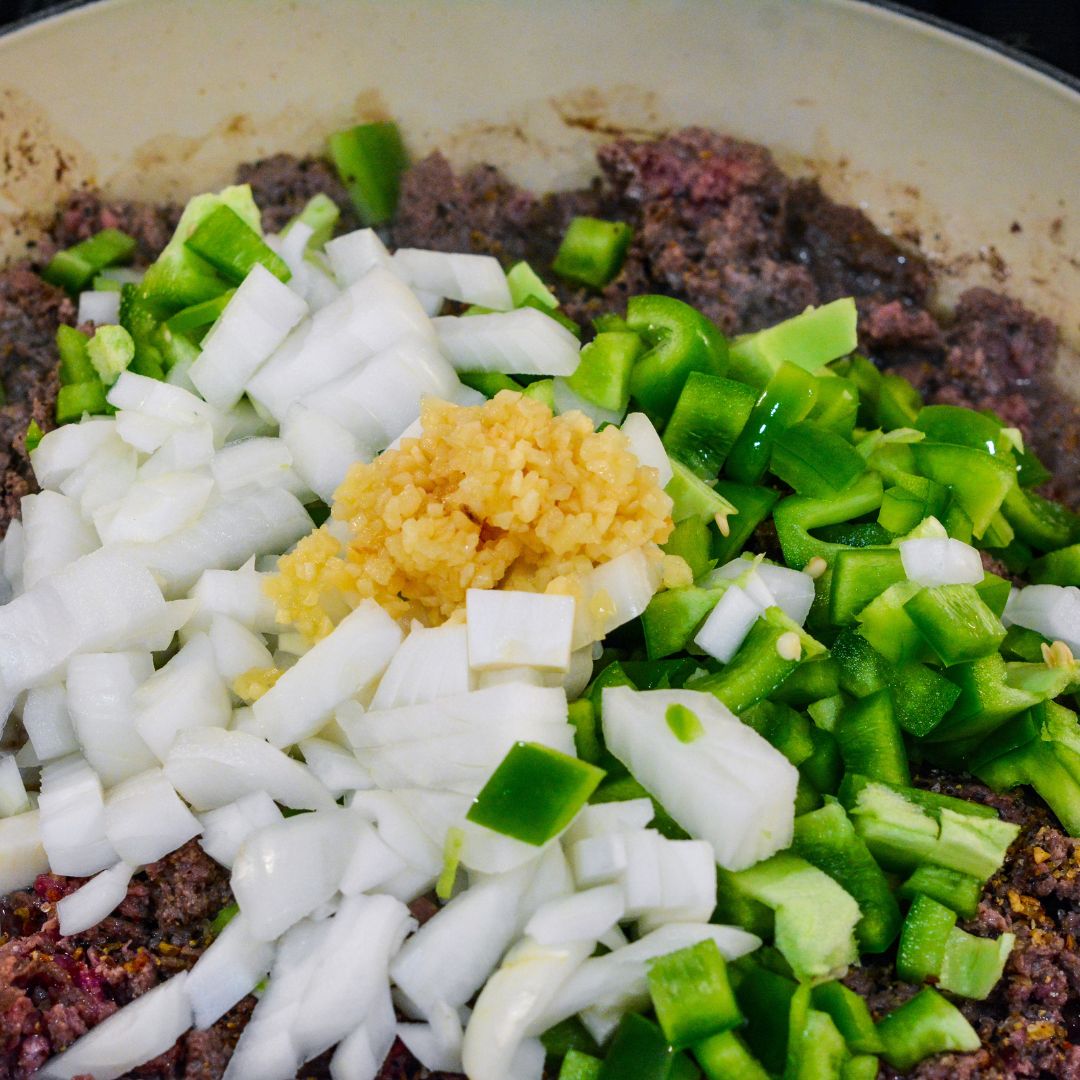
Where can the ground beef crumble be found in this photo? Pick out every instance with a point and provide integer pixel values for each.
(715, 223)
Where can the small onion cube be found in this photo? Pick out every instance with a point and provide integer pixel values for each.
(13, 799)
(95, 900)
(54, 534)
(522, 342)
(101, 307)
(225, 829)
(62, 450)
(336, 766)
(647, 446)
(227, 971)
(436, 1044)
(470, 279)
(22, 856)
(431, 663)
(508, 629)
(583, 916)
(236, 648)
(728, 624)
(48, 722)
(72, 807)
(145, 819)
(352, 255)
(941, 561)
(615, 592)
(322, 450)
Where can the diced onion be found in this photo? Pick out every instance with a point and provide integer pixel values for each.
(615, 592)
(48, 722)
(645, 443)
(470, 279)
(227, 971)
(522, 342)
(22, 856)
(508, 628)
(583, 916)
(941, 562)
(728, 624)
(1052, 610)
(54, 534)
(100, 896)
(100, 307)
(224, 830)
(72, 807)
(13, 799)
(322, 450)
(430, 663)
(145, 818)
(336, 766)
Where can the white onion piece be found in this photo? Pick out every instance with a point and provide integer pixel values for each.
(336, 766)
(352, 255)
(601, 819)
(566, 400)
(225, 829)
(12, 549)
(583, 916)
(254, 323)
(431, 663)
(728, 786)
(522, 342)
(54, 534)
(283, 872)
(322, 450)
(436, 1044)
(598, 860)
(145, 819)
(646, 444)
(212, 768)
(135, 1034)
(48, 722)
(360, 1056)
(368, 316)
(353, 654)
(470, 279)
(399, 830)
(160, 400)
(747, 573)
(101, 702)
(507, 628)
(372, 862)
(236, 648)
(22, 855)
(72, 807)
(451, 956)
(945, 561)
(237, 594)
(99, 306)
(227, 971)
(246, 422)
(668, 880)
(186, 693)
(146, 433)
(615, 592)
(104, 477)
(152, 509)
(1052, 610)
(13, 799)
(254, 522)
(62, 450)
(727, 625)
(97, 899)
(619, 980)
(379, 398)
(350, 977)
(260, 462)
(511, 1001)
(184, 450)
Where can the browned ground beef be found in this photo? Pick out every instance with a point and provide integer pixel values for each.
(719, 225)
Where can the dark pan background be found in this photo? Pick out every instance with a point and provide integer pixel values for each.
(1047, 30)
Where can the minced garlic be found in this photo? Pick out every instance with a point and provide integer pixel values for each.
(498, 495)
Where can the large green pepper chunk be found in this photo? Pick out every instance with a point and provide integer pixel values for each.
(682, 340)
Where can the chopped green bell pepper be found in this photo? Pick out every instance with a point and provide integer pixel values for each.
(74, 268)
(812, 460)
(871, 742)
(927, 1024)
(370, 159)
(592, 251)
(232, 247)
(692, 994)
(603, 373)
(955, 622)
(708, 417)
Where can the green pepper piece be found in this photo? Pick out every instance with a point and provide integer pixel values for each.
(898, 402)
(870, 740)
(691, 540)
(979, 481)
(837, 404)
(927, 1024)
(320, 214)
(810, 340)
(708, 417)
(862, 669)
(787, 398)
(579, 1066)
(921, 697)
(223, 918)
(524, 283)
(1039, 765)
(674, 616)
(542, 390)
(534, 793)
(603, 373)
(199, 317)
(639, 1051)
(692, 994)
(860, 1067)
(816, 1049)
(692, 497)
(75, 365)
(1040, 523)
(232, 247)
(1060, 567)
(567, 1036)
(827, 839)
(886, 624)
(925, 934)
(859, 575)
(812, 460)
(784, 728)
(592, 251)
(955, 622)
(994, 591)
(681, 340)
(1030, 471)
(961, 892)
(796, 515)
(73, 268)
(613, 674)
(752, 506)
(110, 350)
(765, 999)
(816, 678)
(964, 427)
(826, 713)
(587, 741)
(985, 702)
(726, 1057)
(32, 438)
(78, 398)
(489, 383)
(370, 159)
(850, 1014)
(814, 918)
(972, 966)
